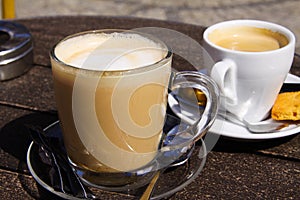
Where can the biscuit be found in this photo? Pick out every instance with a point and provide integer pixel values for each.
(287, 106)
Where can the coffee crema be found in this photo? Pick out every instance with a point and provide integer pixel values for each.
(248, 39)
(111, 121)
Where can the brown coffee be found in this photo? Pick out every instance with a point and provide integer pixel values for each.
(248, 39)
(112, 101)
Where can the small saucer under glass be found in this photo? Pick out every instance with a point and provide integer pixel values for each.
(172, 179)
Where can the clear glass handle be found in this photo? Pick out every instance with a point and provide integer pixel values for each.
(197, 97)
(194, 99)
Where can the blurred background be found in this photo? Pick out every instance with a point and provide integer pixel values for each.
(199, 12)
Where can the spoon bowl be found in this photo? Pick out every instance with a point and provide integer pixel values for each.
(265, 126)
(192, 110)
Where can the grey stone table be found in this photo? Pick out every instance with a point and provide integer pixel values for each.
(267, 169)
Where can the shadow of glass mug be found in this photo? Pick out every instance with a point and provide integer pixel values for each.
(252, 59)
(111, 89)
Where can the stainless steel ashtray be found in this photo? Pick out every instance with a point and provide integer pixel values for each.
(16, 55)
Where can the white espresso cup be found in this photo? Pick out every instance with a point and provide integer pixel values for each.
(251, 61)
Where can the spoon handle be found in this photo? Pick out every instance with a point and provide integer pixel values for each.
(147, 193)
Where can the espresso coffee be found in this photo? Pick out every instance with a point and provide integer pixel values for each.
(248, 39)
(111, 94)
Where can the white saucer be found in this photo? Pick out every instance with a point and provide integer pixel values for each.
(232, 130)
(229, 129)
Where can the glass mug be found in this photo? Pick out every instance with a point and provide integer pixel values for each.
(111, 89)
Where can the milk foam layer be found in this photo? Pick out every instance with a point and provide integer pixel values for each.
(115, 51)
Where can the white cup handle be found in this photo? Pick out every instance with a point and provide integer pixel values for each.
(224, 74)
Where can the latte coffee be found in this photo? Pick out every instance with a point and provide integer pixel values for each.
(248, 39)
(111, 94)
